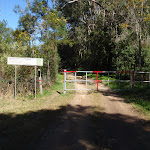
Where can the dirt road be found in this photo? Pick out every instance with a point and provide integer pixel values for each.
(97, 121)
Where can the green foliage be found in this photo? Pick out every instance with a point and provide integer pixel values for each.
(38, 23)
(100, 50)
(125, 56)
(139, 97)
(81, 35)
(5, 33)
(106, 34)
(8, 48)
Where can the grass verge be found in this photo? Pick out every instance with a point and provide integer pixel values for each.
(22, 120)
(140, 96)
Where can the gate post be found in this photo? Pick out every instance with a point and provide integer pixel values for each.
(75, 79)
(86, 80)
(108, 80)
(64, 81)
(119, 81)
(131, 80)
(149, 78)
(40, 81)
(97, 81)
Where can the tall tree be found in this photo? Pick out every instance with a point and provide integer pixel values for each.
(46, 25)
(138, 12)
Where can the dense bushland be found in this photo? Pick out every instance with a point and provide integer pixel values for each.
(81, 35)
(107, 35)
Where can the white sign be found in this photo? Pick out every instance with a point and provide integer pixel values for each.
(26, 61)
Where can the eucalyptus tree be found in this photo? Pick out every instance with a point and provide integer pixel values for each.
(87, 19)
(44, 24)
(53, 29)
(6, 41)
(125, 23)
(10, 47)
(137, 22)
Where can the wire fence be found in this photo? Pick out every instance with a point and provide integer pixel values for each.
(25, 87)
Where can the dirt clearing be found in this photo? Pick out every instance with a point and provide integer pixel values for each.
(96, 121)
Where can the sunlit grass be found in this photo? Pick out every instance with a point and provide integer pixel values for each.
(27, 103)
(140, 98)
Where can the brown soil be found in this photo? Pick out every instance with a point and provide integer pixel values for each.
(97, 121)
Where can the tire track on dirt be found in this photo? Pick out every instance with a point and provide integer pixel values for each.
(111, 124)
(72, 132)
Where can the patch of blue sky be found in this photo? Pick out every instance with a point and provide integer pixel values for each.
(7, 13)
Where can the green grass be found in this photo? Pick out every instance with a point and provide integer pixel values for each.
(117, 85)
(57, 86)
(140, 96)
(22, 120)
(112, 85)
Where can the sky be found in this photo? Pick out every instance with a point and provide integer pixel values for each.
(7, 13)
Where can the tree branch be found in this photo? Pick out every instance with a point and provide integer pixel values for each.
(69, 3)
(91, 0)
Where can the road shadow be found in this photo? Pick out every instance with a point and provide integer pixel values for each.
(75, 129)
(140, 97)
(119, 132)
(108, 93)
(113, 95)
(18, 130)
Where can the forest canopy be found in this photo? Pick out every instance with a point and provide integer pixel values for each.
(79, 35)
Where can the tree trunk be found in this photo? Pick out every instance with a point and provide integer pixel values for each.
(140, 62)
(55, 58)
(48, 72)
(140, 47)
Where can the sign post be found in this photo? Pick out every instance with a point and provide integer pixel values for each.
(35, 82)
(15, 79)
(40, 81)
(26, 61)
(64, 81)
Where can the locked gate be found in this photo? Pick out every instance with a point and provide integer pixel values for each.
(131, 81)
